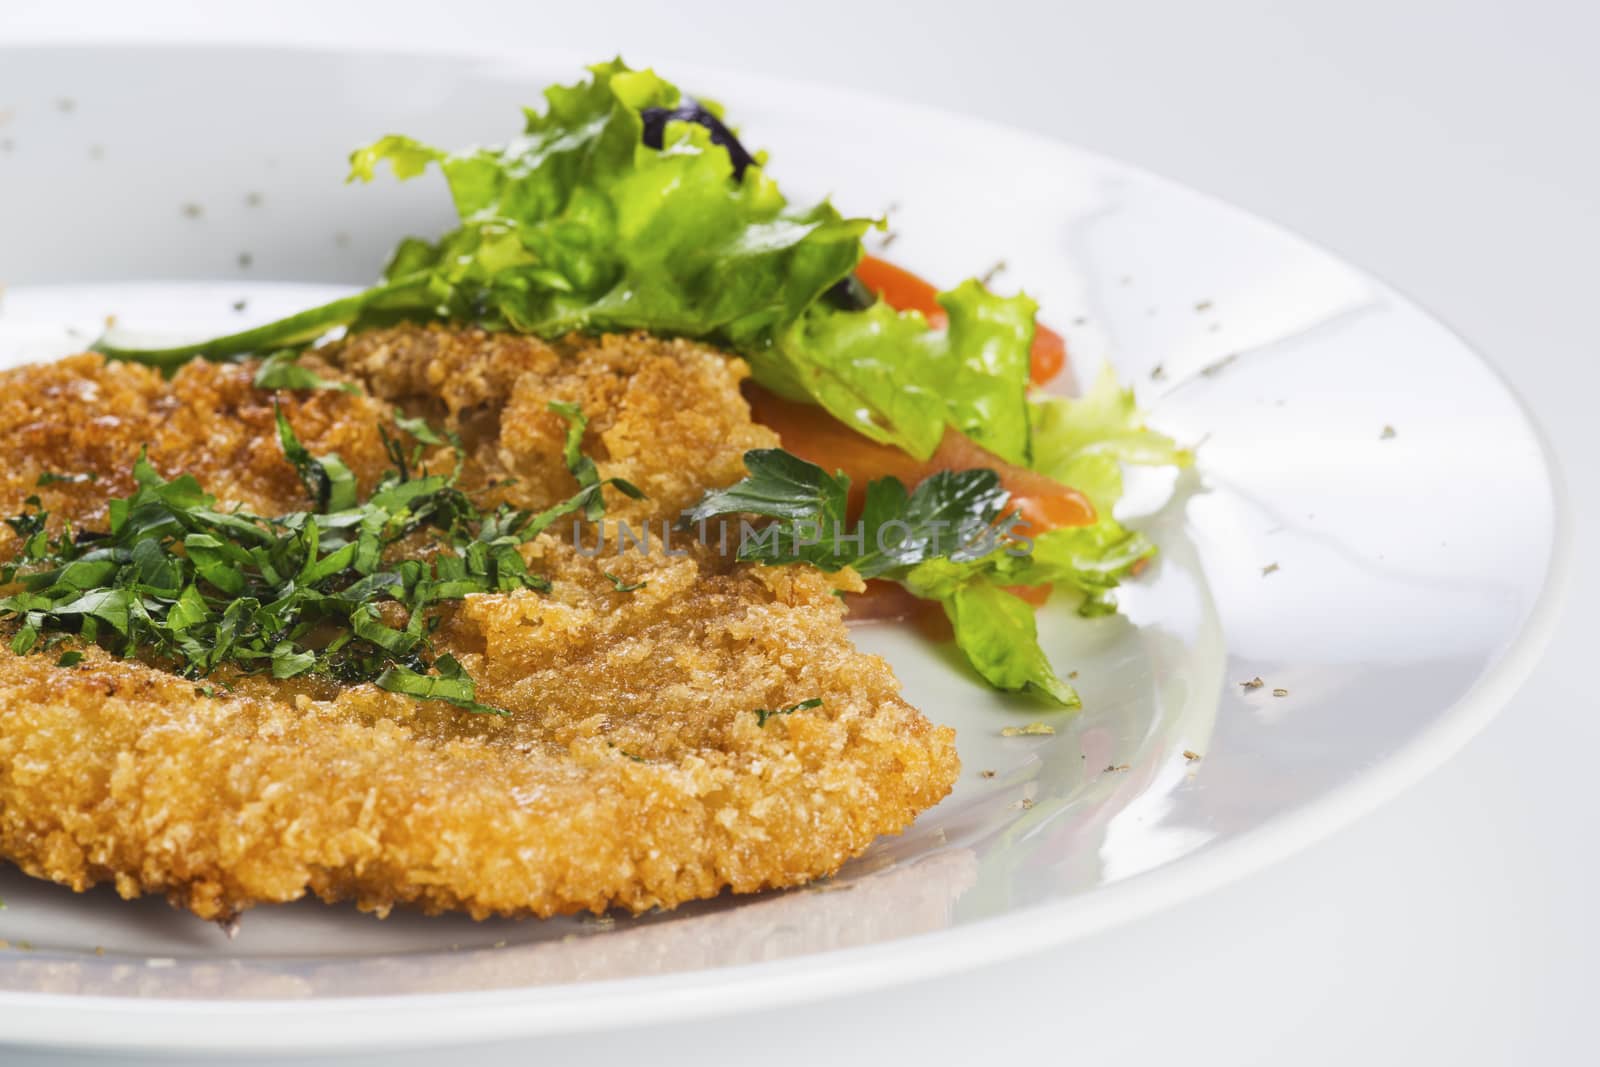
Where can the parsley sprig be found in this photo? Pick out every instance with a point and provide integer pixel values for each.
(318, 592)
(952, 539)
(956, 515)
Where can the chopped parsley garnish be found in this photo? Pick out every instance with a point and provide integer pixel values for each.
(763, 714)
(1033, 729)
(281, 370)
(52, 478)
(622, 586)
(582, 467)
(346, 591)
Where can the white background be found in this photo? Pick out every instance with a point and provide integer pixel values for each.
(1451, 149)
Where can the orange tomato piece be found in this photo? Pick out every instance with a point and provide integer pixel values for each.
(1048, 357)
(815, 436)
(1033, 594)
(900, 289)
(1053, 510)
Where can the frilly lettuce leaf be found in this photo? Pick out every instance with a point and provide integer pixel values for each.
(999, 635)
(1092, 560)
(1083, 441)
(887, 375)
(577, 224)
(995, 628)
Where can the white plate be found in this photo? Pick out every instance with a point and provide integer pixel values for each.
(1415, 581)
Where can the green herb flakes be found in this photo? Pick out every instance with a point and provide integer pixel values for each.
(763, 714)
(52, 478)
(319, 592)
(281, 370)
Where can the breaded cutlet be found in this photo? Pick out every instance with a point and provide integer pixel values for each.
(632, 771)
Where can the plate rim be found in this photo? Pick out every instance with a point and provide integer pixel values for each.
(99, 1022)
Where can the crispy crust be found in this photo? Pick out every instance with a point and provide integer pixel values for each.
(632, 772)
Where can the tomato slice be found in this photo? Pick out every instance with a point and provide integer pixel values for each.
(1052, 510)
(904, 291)
(1036, 595)
(900, 289)
(1047, 357)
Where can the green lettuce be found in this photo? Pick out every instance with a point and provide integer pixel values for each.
(995, 628)
(1090, 560)
(887, 375)
(999, 635)
(1084, 441)
(577, 224)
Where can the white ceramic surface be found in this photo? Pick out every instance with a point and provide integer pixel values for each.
(1410, 595)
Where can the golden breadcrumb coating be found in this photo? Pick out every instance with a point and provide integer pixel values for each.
(632, 771)
(665, 415)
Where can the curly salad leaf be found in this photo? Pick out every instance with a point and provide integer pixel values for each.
(1084, 441)
(887, 375)
(578, 224)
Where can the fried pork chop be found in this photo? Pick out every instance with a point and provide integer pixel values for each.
(632, 771)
